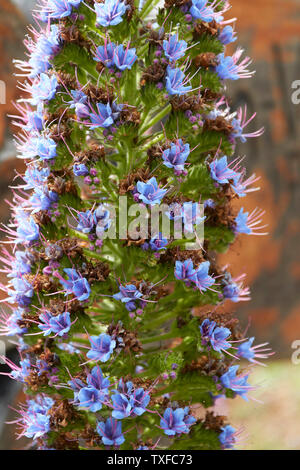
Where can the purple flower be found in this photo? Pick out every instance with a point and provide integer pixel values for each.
(111, 432)
(110, 12)
(241, 222)
(215, 335)
(149, 192)
(173, 48)
(124, 58)
(175, 82)
(175, 157)
(173, 422)
(75, 284)
(102, 347)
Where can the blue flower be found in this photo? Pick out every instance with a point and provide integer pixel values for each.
(227, 35)
(35, 120)
(22, 292)
(173, 422)
(97, 380)
(46, 46)
(236, 383)
(201, 278)
(184, 271)
(228, 67)
(58, 9)
(124, 58)
(215, 335)
(220, 172)
(232, 291)
(36, 420)
(75, 284)
(128, 294)
(20, 265)
(110, 12)
(111, 432)
(86, 221)
(102, 347)
(80, 169)
(44, 89)
(175, 82)
(35, 178)
(188, 419)
(78, 97)
(140, 401)
(201, 11)
(249, 352)
(42, 200)
(27, 231)
(149, 192)
(105, 54)
(21, 373)
(59, 325)
(103, 220)
(245, 349)
(103, 117)
(175, 157)
(227, 437)
(158, 242)
(90, 398)
(241, 221)
(191, 215)
(173, 48)
(46, 148)
(122, 405)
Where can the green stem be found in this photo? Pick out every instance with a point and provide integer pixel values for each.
(158, 117)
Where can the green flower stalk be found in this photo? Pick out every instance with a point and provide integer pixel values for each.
(129, 142)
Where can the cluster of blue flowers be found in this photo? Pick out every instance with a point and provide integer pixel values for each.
(90, 132)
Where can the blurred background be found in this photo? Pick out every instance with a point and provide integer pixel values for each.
(269, 30)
